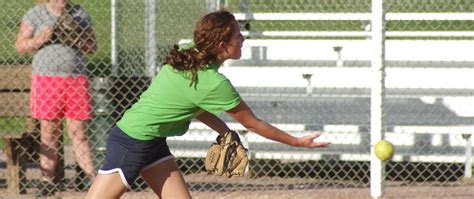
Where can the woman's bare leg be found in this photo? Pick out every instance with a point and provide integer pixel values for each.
(80, 141)
(106, 186)
(50, 131)
(166, 180)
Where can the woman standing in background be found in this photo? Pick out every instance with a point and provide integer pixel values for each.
(59, 84)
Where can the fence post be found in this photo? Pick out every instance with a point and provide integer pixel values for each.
(377, 96)
(468, 154)
(113, 38)
(150, 42)
(213, 5)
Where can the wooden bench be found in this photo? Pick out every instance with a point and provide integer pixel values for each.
(20, 132)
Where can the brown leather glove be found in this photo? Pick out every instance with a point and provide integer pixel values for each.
(67, 30)
(228, 156)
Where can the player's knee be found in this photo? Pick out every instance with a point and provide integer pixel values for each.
(101, 189)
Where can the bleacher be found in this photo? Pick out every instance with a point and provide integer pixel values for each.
(363, 17)
(318, 84)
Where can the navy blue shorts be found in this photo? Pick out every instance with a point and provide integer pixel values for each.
(130, 156)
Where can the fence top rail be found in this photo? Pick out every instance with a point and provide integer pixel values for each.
(353, 16)
(304, 34)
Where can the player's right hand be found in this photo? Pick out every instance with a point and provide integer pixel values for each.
(308, 141)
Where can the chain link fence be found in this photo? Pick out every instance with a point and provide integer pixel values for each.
(306, 67)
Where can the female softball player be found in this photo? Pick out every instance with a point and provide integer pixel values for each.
(188, 86)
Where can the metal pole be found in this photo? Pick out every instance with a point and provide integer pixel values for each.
(223, 4)
(377, 96)
(114, 38)
(468, 154)
(150, 42)
(212, 5)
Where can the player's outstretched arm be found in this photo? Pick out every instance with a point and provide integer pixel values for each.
(244, 115)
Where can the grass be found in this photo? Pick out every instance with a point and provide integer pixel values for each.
(9, 125)
(319, 6)
(12, 126)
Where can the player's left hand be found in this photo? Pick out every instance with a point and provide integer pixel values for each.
(308, 141)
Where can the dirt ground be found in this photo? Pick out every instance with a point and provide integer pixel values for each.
(395, 191)
(201, 186)
(465, 192)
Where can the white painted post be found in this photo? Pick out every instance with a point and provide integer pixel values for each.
(150, 42)
(309, 87)
(210, 5)
(468, 155)
(113, 39)
(213, 5)
(338, 50)
(223, 4)
(377, 96)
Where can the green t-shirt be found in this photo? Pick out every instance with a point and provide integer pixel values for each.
(168, 105)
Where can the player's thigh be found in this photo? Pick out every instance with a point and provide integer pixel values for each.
(166, 180)
(106, 186)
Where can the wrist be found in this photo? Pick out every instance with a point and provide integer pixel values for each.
(36, 43)
(295, 142)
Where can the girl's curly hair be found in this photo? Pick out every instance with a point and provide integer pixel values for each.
(210, 30)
